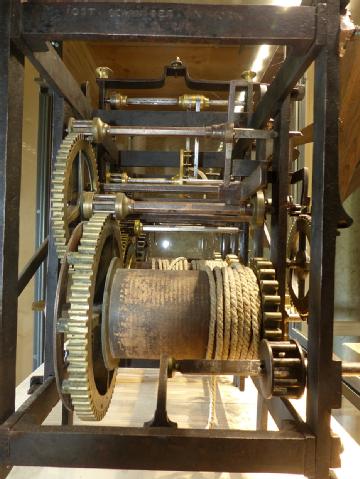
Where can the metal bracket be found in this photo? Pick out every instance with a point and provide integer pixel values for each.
(176, 69)
(35, 382)
(161, 418)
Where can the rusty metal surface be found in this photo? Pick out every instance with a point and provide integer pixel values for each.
(155, 312)
(216, 24)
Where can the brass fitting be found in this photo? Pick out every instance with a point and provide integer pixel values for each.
(103, 72)
(258, 207)
(99, 130)
(122, 206)
(248, 75)
(189, 101)
(117, 100)
(124, 177)
(87, 204)
(138, 228)
(70, 125)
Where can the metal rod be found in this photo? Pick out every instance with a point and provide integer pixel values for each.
(117, 178)
(350, 369)
(191, 229)
(161, 188)
(52, 260)
(244, 367)
(213, 131)
(32, 266)
(183, 207)
(166, 101)
(153, 101)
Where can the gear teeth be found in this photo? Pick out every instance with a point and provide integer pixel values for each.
(141, 244)
(269, 287)
(302, 225)
(88, 403)
(60, 181)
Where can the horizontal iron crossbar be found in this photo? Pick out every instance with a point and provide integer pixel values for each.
(160, 449)
(227, 24)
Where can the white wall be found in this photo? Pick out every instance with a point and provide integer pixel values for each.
(27, 220)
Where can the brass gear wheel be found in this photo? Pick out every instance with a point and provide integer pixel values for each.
(75, 171)
(272, 323)
(89, 383)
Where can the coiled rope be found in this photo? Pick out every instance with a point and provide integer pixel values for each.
(177, 264)
(235, 311)
(235, 316)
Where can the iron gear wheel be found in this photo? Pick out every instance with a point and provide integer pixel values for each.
(90, 384)
(284, 370)
(75, 171)
(298, 262)
(272, 321)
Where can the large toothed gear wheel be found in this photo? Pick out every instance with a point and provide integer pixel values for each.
(90, 384)
(298, 262)
(272, 323)
(75, 172)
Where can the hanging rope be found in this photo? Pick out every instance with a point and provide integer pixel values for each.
(235, 311)
(235, 317)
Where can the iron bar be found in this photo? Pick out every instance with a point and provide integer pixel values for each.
(201, 450)
(249, 24)
(32, 266)
(244, 367)
(280, 192)
(36, 408)
(326, 213)
(11, 114)
(42, 214)
(191, 229)
(52, 69)
(52, 262)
